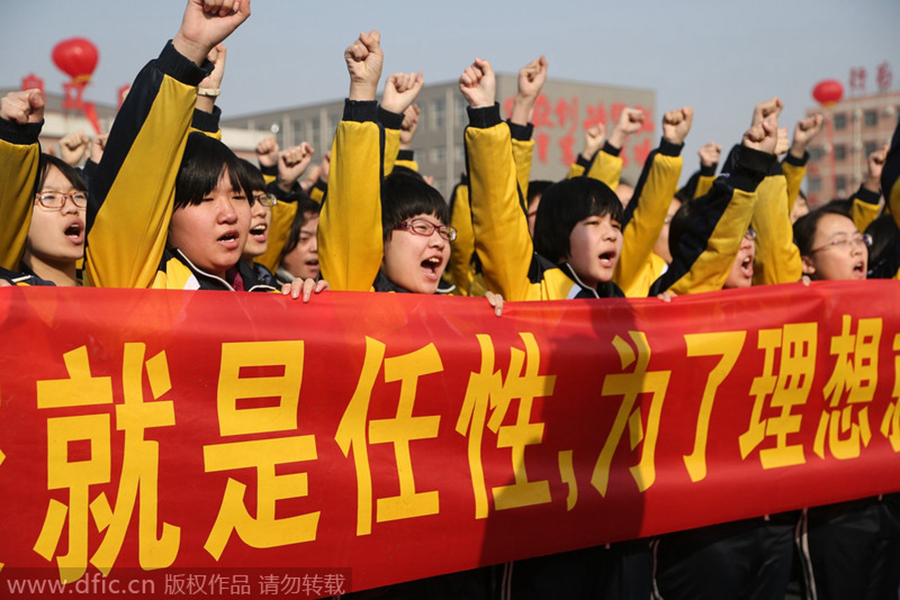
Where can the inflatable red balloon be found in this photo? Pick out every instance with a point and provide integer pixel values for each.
(77, 57)
(828, 92)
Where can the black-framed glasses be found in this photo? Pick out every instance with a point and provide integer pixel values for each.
(265, 199)
(844, 241)
(55, 200)
(426, 228)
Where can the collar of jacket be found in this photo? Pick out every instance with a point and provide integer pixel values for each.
(605, 289)
(209, 281)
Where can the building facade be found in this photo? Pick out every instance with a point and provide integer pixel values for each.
(854, 128)
(562, 113)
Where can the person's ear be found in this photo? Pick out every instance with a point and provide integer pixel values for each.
(807, 266)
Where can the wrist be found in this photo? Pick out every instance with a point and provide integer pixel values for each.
(193, 51)
(617, 138)
(363, 91)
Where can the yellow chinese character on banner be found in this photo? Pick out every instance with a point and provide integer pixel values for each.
(728, 345)
(140, 463)
(890, 424)
(263, 530)
(788, 387)
(630, 386)
(356, 431)
(845, 427)
(487, 389)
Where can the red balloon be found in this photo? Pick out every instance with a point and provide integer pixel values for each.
(828, 91)
(77, 57)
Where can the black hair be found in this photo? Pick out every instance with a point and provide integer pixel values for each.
(884, 254)
(204, 161)
(563, 205)
(251, 178)
(68, 171)
(536, 188)
(680, 223)
(306, 209)
(404, 197)
(805, 227)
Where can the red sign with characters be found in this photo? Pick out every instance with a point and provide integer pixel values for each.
(251, 442)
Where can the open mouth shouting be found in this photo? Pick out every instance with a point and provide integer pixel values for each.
(230, 239)
(260, 232)
(432, 267)
(74, 232)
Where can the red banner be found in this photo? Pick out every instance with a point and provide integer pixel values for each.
(365, 439)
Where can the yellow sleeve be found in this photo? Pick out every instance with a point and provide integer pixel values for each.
(350, 236)
(391, 144)
(575, 170)
(607, 168)
(500, 225)
(523, 152)
(283, 214)
(710, 270)
(459, 268)
(777, 257)
(134, 187)
(318, 192)
(866, 207)
(20, 156)
(645, 218)
(704, 185)
(794, 171)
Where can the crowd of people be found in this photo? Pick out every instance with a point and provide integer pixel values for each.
(161, 202)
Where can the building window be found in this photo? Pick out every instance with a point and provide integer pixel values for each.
(462, 117)
(840, 121)
(815, 185)
(840, 182)
(840, 152)
(870, 118)
(816, 153)
(870, 147)
(438, 114)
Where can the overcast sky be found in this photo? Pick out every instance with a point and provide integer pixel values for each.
(719, 57)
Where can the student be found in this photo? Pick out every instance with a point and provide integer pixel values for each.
(254, 184)
(848, 549)
(386, 235)
(300, 254)
(42, 201)
(166, 208)
(582, 251)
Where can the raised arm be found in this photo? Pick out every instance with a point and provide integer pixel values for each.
(709, 240)
(132, 192)
(529, 85)
(502, 240)
(350, 239)
(646, 214)
(21, 119)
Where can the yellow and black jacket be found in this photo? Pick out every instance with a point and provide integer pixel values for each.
(502, 241)
(777, 258)
(707, 249)
(638, 267)
(351, 246)
(20, 156)
(890, 182)
(132, 191)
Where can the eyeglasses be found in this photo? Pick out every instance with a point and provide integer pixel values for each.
(54, 200)
(266, 199)
(843, 241)
(750, 235)
(423, 227)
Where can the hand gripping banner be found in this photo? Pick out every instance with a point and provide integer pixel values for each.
(251, 442)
